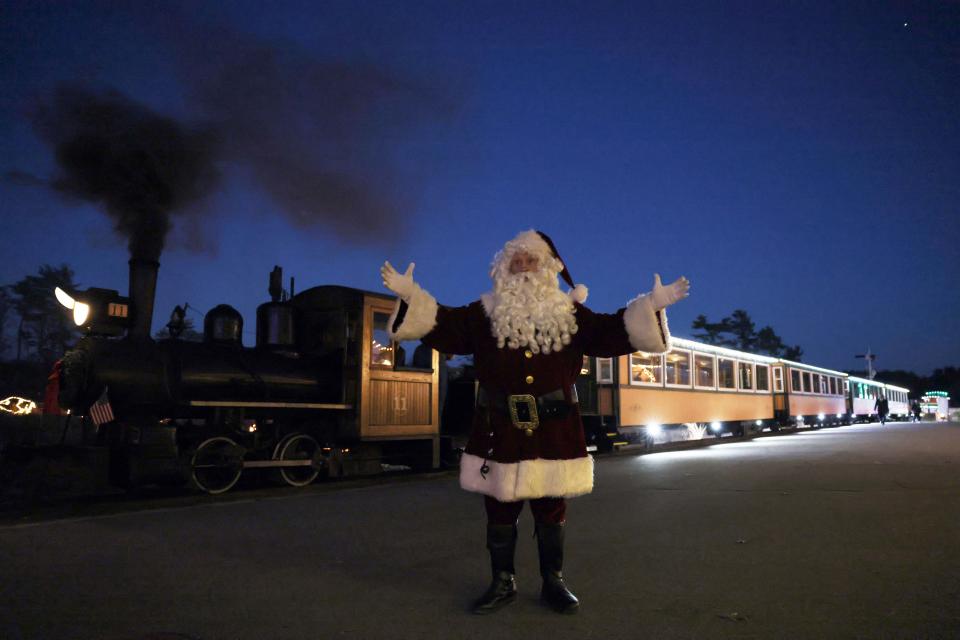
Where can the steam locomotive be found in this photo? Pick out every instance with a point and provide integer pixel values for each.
(322, 392)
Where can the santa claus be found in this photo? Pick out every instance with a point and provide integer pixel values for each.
(528, 339)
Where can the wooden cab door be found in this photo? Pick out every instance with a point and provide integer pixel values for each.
(398, 400)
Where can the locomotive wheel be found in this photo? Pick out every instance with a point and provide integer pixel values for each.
(298, 447)
(215, 467)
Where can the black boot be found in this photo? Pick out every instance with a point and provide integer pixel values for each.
(501, 541)
(554, 592)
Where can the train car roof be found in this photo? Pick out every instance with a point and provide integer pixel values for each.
(812, 367)
(895, 387)
(683, 343)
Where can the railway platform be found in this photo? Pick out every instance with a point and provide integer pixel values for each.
(847, 532)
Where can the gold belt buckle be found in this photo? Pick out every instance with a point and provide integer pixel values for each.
(530, 402)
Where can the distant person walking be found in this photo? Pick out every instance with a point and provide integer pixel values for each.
(882, 407)
(915, 410)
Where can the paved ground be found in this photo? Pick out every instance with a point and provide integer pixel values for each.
(838, 533)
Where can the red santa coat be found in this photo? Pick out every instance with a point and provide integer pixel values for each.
(501, 460)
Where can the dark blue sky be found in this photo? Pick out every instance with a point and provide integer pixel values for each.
(797, 160)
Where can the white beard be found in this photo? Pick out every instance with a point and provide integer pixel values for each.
(529, 310)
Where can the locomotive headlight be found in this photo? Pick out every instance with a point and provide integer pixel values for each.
(839, 415)
(81, 313)
(715, 426)
(654, 430)
(99, 311)
(820, 417)
(64, 298)
(759, 422)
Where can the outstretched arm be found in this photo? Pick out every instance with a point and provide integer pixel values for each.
(640, 326)
(417, 316)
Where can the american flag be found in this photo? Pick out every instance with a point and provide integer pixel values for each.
(100, 411)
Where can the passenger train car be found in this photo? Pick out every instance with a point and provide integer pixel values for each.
(697, 389)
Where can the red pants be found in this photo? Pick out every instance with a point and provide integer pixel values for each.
(545, 510)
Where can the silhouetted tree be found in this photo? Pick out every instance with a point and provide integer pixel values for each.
(44, 328)
(742, 328)
(738, 330)
(711, 331)
(5, 305)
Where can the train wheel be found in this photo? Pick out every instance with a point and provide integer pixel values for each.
(298, 447)
(215, 466)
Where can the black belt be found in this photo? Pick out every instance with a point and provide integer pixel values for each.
(526, 410)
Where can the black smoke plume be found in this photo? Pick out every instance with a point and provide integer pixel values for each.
(323, 139)
(140, 166)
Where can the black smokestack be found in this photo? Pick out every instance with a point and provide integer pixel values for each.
(143, 288)
(139, 166)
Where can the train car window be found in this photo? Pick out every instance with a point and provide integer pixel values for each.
(763, 377)
(678, 368)
(796, 385)
(705, 376)
(605, 370)
(381, 351)
(646, 368)
(808, 382)
(746, 375)
(726, 374)
(778, 379)
(846, 386)
(833, 386)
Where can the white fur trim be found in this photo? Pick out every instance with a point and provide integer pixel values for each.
(420, 319)
(486, 299)
(540, 478)
(644, 331)
(579, 293)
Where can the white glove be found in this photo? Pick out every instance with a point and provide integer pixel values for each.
(401, 284)
(664, 296)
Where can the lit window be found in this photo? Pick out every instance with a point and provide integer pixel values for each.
(795, 381)
(746, 375)
(646, 368)
(381, 349)
(605, 370)
(585, 366)
(763, 377)
(726, 374)
(808, 382)
(704, 366)
(678, 368)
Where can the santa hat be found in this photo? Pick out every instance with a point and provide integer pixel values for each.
(539, 244)
(578, 293)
